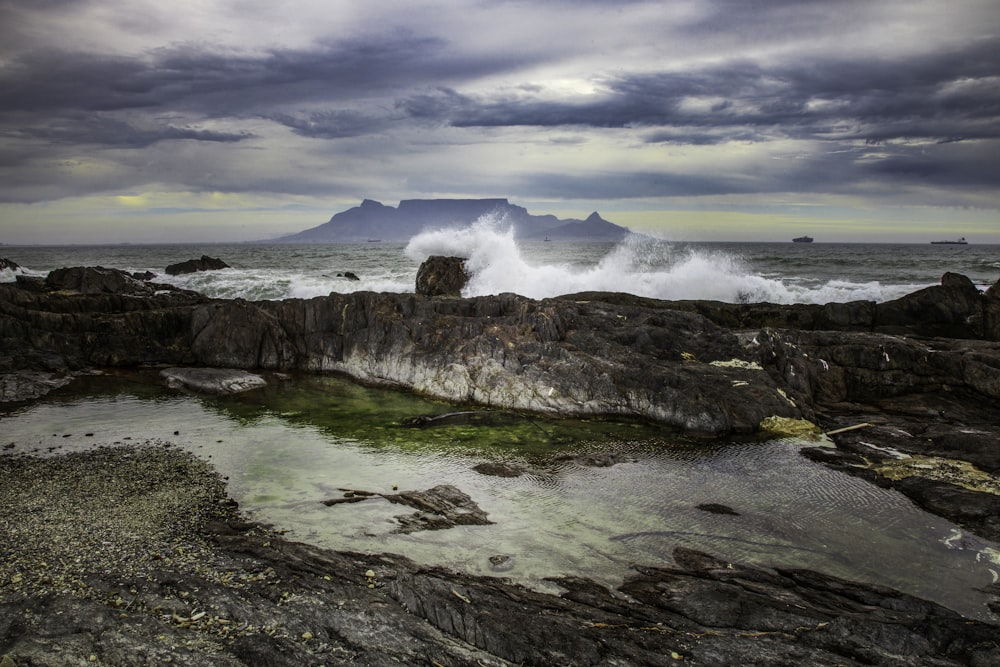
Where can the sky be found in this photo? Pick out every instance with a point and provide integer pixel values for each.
(757, 120)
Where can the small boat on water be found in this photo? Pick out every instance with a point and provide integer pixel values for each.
(960, 241)
(803, 239)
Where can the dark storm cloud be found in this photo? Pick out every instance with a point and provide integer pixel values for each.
(231, 83)
(94, 129)
(681, 81)
(941, 97)
(330, 124)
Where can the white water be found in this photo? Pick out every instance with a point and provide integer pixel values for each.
(639, 264)
(499, 262)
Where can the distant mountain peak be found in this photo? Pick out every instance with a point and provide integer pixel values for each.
(374, 220)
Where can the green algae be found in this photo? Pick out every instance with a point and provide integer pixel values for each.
(954, 471)
(788, 427)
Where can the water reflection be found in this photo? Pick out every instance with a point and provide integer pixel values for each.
(302, 441)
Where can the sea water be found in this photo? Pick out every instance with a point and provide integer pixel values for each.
(302, 440)
(498, 262)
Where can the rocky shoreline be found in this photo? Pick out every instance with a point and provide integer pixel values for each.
(909, 390)
(135, 556)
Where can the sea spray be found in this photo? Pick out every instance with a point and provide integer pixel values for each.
(502, 262)
(639, 264)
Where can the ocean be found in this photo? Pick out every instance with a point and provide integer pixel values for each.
(301, 440)
(642, 265)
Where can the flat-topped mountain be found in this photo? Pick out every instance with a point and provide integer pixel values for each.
(374, 220)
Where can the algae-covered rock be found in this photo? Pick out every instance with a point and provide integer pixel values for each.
(788, 427)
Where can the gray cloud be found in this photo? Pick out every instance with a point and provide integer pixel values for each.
(903, 104)
(941, 97)
(96, 129)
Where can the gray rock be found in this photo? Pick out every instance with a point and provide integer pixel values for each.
(441, 276)
(204, 263)
(26, 385)
(97, 280)
(438, 508)
(212, 380)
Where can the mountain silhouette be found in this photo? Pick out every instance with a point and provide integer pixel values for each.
(373, 220)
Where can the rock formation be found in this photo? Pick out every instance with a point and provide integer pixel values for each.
(699, 366)
(921, 373)
(205, 263)
(442, 276)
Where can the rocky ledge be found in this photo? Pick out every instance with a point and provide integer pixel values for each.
(134, 556)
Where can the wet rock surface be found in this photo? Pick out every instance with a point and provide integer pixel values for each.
(190, 581)
(438, 508)
(203, 263)
(946, 464)
(922, 371)
(219, 381)
(441, 276)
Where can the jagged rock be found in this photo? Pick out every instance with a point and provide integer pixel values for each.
(438, 508)
(205, 263)
(703, 611)
(954, 309)
(220, 381)
(8, 264)
(441, 276)
(570, 355)
(443, 506)
(97, 280)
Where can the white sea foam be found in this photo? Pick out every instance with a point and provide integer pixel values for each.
(639, 264)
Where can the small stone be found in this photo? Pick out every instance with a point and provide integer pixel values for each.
(501, 563)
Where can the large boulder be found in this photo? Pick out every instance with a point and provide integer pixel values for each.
(205, 263)
(441, 276)
(97, 280)
(954, 309)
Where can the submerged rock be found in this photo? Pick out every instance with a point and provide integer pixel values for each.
(716, 508)
(498, 469)
(212, 380)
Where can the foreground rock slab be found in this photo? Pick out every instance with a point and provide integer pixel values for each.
(190, 582)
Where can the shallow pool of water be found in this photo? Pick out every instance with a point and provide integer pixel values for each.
(301, 441)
